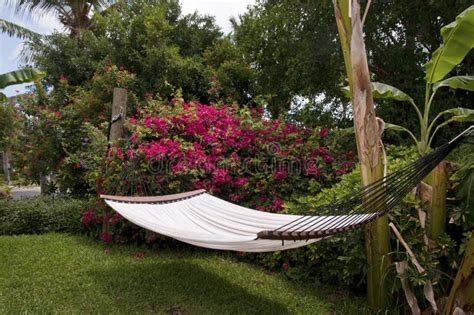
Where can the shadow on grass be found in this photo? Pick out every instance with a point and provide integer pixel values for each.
(179, 288)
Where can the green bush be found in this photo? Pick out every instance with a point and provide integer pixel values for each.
(42, 215)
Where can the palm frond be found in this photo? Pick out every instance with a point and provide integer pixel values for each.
(34, 7)
(15, 30)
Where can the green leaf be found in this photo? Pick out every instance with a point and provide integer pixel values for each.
(20, 76)
(3, 97)
(458, 115)
(382, 90)
(465, 82)
(459, 111)
(458, 40)
(400, 128)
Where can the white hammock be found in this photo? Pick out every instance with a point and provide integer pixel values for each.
(203, 220)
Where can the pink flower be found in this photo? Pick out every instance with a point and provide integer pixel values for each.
(280, 175)
(277, 204)
(115, 219)
(328, 159)
(340, 173)
(312, 169)
(241, 181)
(134, 137)
(323, 132)
(105, 237)
(118, 152)
(235, 197)
(88, 216)
(221, 177)
(348, 155)
(234, 156)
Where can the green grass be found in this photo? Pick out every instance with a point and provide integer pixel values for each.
(56, 273)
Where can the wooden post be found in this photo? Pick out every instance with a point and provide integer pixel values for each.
(119, 107)
(368, 141)
(119, 110)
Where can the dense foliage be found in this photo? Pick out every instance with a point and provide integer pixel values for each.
(294, 47)
(42, 215)
(163, 48)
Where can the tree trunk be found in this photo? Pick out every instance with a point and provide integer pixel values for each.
(368, 141)
(43, 184)
(437, 212)
(462, 292)
(6, 166)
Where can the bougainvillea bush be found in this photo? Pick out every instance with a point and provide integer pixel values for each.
(235, 153)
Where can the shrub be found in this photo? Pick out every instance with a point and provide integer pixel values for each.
(42, 215)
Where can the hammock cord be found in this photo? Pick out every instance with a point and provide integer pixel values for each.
(366, 204)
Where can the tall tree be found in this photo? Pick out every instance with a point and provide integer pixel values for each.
(293, 47)
(73, 14)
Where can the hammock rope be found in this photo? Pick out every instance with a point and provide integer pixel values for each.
(373, 200)
(199, 209)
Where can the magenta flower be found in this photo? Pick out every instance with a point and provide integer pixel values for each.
(115, 219)
(241, 181)
(277, 204)
(105, 237)
(88, 216)
(280, 175)
(328, 159)
(323, 132)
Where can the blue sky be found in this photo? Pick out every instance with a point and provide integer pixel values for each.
(11, 47)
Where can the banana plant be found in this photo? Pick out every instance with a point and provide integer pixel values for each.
(18, 77)
(458, 40)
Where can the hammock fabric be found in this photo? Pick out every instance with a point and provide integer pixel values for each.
(203, 220)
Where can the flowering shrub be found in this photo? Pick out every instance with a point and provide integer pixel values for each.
(234, 153)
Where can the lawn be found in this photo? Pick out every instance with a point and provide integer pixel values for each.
(56, 273)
